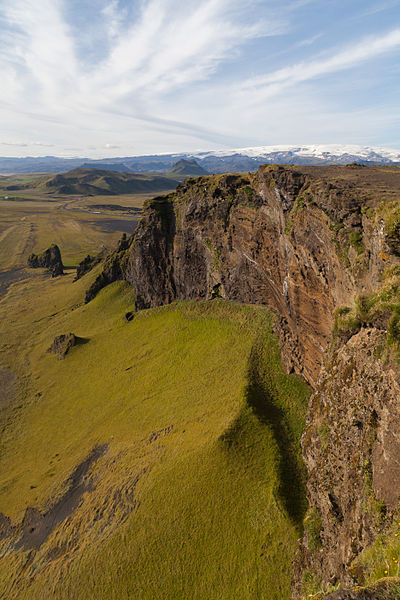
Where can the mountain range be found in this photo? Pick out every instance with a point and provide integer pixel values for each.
(220, 161)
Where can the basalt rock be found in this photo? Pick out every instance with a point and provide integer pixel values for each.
(86, 265)
(382, 590)
(113, 268)
(62, 344)
(49, 259)
(351, 447)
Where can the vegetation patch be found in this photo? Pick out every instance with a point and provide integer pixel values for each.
(312, 528)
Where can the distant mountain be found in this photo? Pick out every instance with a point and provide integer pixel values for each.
(220, 161)
(108, 166)
(105, 182)
(301, 155)
(186, 168)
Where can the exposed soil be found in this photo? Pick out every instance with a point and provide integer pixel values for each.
(9, 277)
(36, 527)
(7, 387)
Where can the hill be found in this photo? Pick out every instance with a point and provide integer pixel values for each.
(186, 168)
(141, 460)
(106, 166)
(104, 182)
(160, 457)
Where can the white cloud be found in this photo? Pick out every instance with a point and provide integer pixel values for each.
(168, 46)
(261, 88)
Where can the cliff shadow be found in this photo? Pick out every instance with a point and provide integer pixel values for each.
(263, 397)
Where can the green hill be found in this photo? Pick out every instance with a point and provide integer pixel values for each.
(103, 182)
(161, 456)
(186, 168)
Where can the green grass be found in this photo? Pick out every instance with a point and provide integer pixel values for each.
(217, 507)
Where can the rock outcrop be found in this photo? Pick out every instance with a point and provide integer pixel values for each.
(49, 259)
(383, 590)
(89, 262)
(351, 447)
(62, 344)
(113, 268)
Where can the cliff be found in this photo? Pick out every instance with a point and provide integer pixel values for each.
(321, 247)
(297, 241)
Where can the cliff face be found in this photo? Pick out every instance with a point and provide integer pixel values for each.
(351, 447)
(271, 238)
(304, 242)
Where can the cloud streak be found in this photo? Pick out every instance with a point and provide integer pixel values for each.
(261, 88)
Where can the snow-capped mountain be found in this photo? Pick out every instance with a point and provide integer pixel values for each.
(322, 152)
(216, 161)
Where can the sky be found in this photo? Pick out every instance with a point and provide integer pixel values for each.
(108, 78)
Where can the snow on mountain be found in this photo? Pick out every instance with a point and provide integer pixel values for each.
(328, 152)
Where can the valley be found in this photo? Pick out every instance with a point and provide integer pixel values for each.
(34, 217)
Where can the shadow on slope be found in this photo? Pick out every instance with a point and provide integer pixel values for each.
(271, 400)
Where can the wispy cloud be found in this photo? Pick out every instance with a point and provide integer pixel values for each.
(380, 6)
(309, 41)
(261, 88)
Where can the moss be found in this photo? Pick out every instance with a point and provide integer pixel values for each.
(248, 190)
(347, 322)
(312, 529)
(357, 242)
(216, 251)
(324, 435)
(311, 584)
(299, 204)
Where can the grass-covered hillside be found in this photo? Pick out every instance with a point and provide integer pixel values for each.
(161, 456)
(102, 181)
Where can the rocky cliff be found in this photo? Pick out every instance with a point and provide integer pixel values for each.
(321, 247)
(297, 241)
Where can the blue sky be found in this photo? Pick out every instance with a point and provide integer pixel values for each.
(124, 77)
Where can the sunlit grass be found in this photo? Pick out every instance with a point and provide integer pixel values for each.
(209, 515)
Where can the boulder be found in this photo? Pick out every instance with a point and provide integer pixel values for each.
(62, 344)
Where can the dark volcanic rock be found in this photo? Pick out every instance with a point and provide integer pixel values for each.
(383, 590)
(113, 268)
(49, 259)
(87, 265)
(62, 344)
(351, 447)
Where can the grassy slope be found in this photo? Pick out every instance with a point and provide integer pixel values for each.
(99, 181)
(204, 511)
